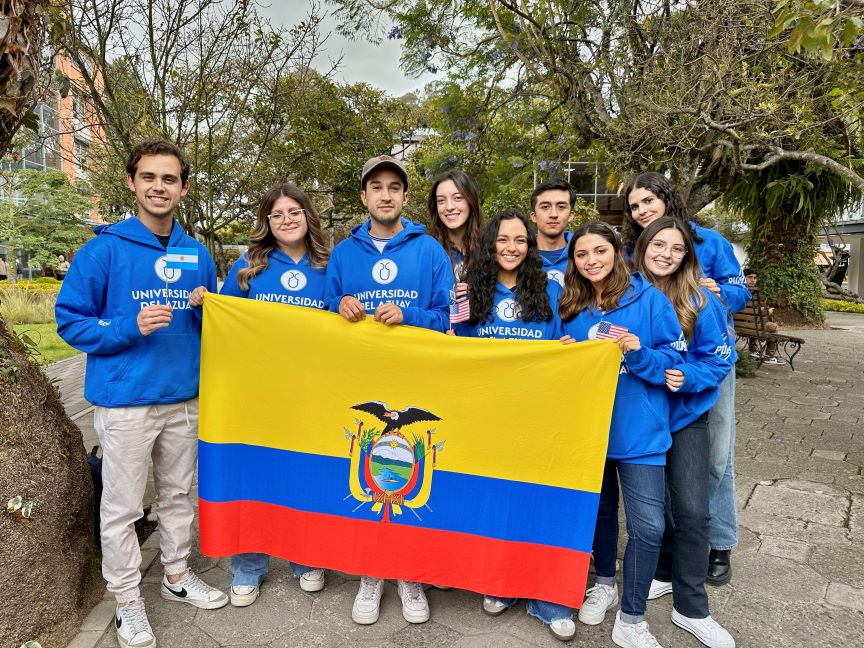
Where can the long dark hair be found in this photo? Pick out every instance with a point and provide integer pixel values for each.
(662, 187)
(473, 226)
(262, 242)
(531, 280)
(578, 291)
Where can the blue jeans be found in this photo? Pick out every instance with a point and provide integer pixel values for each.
(251, 568)
(643, 489)
(722, 504)
(684, 554)
(546, 612)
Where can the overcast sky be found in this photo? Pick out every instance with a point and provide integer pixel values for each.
(377, 65)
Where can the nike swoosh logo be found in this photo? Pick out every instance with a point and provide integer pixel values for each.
(181, 593)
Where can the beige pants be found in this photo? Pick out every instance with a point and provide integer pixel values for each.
(130, 436)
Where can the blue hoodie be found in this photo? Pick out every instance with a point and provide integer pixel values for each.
(706, 362)
(281, 281)
(112, 278)
(506, 322)
(639, 432)
(412, 272)
(555, 261)
(718, 261)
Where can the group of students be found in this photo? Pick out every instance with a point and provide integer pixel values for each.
(663, 291)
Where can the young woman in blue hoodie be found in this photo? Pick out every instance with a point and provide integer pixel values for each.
(285, 263)
(665, 255)
(602, 300)
(511, 297)
(456, 221)
(650, 196)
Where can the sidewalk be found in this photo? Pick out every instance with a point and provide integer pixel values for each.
(798, 572)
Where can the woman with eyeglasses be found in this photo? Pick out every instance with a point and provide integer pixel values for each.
(603, 301)
(285, 263)
(666, 257)
(649, 197)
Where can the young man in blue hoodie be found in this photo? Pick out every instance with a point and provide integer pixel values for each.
(552, 210)
(389, 268)
(130, 313)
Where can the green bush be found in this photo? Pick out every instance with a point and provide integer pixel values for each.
(45, 280)
(26, 305)
(842, 306)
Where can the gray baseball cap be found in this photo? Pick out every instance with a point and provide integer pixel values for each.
(384, 162)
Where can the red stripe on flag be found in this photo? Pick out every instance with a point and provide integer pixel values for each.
(392, 550)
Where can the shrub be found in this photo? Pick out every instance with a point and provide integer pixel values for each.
(42, 284)
(27, 306)
(842, 306)
(46, 280)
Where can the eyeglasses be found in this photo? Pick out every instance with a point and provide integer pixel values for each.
(658, 247)
(295, 216)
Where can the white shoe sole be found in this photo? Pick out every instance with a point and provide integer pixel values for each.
(365, 618)
(494, 610)
(244, 600)
(657, 592)
(123, 644)
(203, 605)
(596, 619)
(415, 617)
(311, 586)
(681, 621)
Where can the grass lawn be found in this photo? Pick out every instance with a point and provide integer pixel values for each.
(50, 346)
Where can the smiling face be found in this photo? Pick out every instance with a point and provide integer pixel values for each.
(593, 257)
(288, 226)
(645, 206)
(157, 186)
(665, 252)
(384, 196)
(453, 208)
(511, 246)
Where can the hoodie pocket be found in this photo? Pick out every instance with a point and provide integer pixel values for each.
(124, 365)
(638, 430)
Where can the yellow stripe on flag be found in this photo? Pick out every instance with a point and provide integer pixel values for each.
(286, 377)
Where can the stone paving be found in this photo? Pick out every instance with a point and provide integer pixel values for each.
(798, 571)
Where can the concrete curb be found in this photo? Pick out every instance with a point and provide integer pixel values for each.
(101, 618)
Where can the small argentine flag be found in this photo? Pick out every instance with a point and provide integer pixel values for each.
(181, 258)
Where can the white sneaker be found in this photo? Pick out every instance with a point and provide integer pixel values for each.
(244, 595)
(598, 600)
(563, 629)
(312, 581)
(194, 591)
(493, 607)
(706, 630)
(633, 635)
(133, 627)
(415, 607)
(367, 601)
(658, 589)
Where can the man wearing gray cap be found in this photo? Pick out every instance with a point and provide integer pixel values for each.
(389, 268)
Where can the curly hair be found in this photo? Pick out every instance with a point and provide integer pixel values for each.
(473, 226)
(531, 280)
(682, 286)
(668, 193)
(262, 242)
(578, 291)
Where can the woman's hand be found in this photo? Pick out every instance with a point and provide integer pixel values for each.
(197, 296)
(460, 291)
(674, 379)
(710, 284)
(628, 342)
(567, 340)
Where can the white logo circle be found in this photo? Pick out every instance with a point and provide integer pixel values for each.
(168, 275)
(293, 280)
(592, 332)
(508, 310)
(384, 271)
(556, 276)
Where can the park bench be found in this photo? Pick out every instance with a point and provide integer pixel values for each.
(750, 325)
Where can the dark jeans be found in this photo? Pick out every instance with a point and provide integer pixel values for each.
(684, 554)
(643, 490)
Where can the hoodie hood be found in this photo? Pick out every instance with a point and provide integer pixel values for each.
(133, 229)
(360, 235)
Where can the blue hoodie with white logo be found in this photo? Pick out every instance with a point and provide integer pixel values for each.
(506, 322)
(283, 281)
(555, 261)
(707, 361)
(111, 279)
(412, 272)
(639, 432)
(718, 261)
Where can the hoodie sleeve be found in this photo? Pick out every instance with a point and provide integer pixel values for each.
(437, 316)
(333, 282)
(664, 348)
(710, 353)
(209, 281)
(79, 307)
(230, 287)
(726, 271)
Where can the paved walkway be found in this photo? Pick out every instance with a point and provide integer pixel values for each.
(798, 572)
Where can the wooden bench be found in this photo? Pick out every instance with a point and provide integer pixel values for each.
(750, 325)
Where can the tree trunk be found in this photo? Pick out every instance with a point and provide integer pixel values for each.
(20, 49)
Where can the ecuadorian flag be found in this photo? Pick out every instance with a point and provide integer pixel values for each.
(398, 452)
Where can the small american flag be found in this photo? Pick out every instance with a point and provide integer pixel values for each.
(460, 311)
(609, 331)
